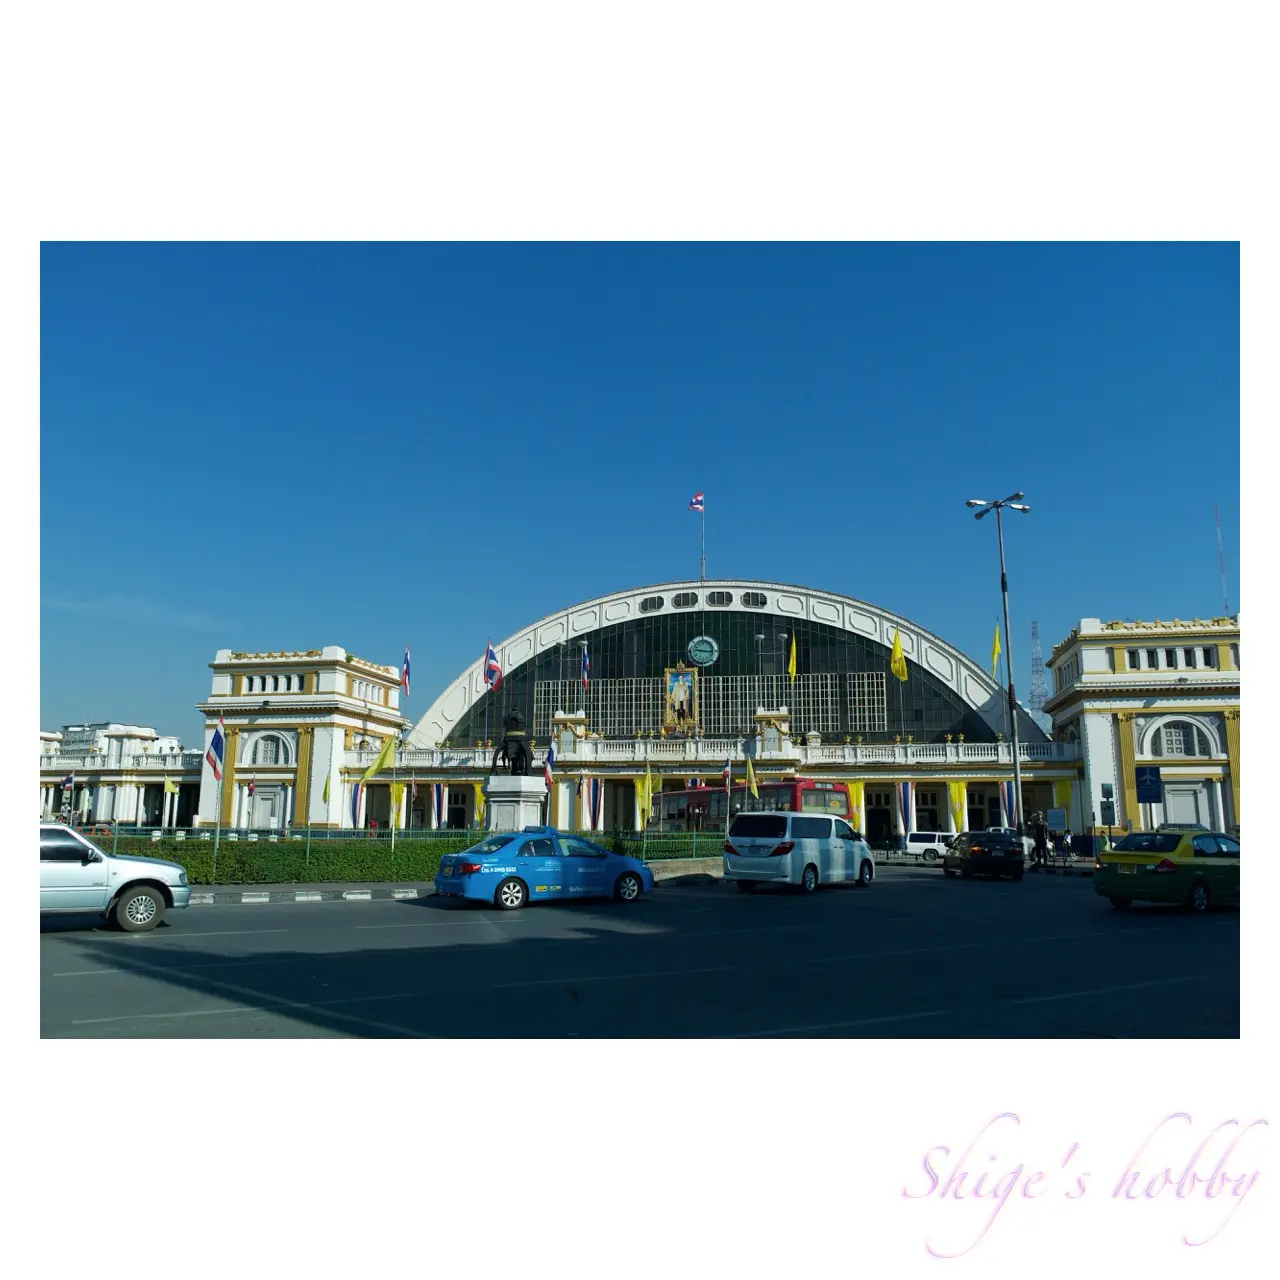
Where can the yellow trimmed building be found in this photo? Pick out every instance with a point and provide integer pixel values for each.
(1139, 697)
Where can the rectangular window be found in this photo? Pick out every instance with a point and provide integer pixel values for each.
(1210, 656)
(1153, 659)
(1171, 659)
(1189, 658)
(758, 826)
(1235, 656)
(810, 828)
(1135, 659)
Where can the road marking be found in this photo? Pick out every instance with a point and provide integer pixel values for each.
(1102, 991)
(910, 951)
(837, 1026)
(436, 924)
(357, 895)
(248, 1008)
(246, 898)
(308, 897)
(404, 893)
(607, 977)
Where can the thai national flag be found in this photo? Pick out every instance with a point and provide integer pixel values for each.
(252, 786)
(492, 672)
(69, 781)
(586, 668)
(547, 767)
(404, 672)
(217, 750)
(695, 503)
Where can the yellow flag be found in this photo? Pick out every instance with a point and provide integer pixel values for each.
(386, 758)
(479, 789)
(958, 795)
(791, 661)
(170, 786)
(898, 663)
(397, 794)
(324, 795)
(751, 779)
(856, 795)
(995, 651)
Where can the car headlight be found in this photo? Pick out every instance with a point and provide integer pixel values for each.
(182, 877)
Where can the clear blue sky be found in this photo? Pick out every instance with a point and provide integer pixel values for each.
(285, 446)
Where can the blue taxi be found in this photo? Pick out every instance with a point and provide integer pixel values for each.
(537, 864)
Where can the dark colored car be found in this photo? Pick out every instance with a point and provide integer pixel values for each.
(986, 853)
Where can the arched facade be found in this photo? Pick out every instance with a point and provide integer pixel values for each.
(744, 631)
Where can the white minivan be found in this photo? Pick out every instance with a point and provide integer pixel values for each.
(804, 850)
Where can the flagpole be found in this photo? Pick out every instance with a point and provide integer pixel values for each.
(217, 818)
(703, 561)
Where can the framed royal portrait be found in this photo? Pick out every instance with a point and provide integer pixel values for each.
(680, 699)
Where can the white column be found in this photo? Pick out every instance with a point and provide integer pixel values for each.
(431, 805)
(637, 816)
(1219, 817)
(287, 817)
(404, 808)
(364, 802)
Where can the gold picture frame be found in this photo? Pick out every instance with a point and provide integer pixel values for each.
(680, 699)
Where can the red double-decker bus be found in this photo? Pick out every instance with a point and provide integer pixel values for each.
(703, 808)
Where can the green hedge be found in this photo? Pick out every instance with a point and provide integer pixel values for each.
(368, 861)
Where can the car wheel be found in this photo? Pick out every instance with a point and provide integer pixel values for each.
(809, 881)
(1121, 904)
(140, 909)
(511, 895)
(931, 855)
(864, 875)
(746, 886)
(948, 871)
(628, 888)
(1198, 898)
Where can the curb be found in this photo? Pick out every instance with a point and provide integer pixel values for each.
(243, 898)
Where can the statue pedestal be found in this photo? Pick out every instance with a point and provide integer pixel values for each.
(513, 803)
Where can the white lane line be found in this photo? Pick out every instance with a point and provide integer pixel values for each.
(838, 1026)
(227, 933)
(607, 977)
(247, 898)
(909, 951)
(248, 1008)
(439, 924)
(1103, 991)
(357, 895)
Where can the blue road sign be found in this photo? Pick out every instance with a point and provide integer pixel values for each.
(1055, 819)
(1150, 789)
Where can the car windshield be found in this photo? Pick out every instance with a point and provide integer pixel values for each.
(767, 826)
(1148, 842)
(491, 845)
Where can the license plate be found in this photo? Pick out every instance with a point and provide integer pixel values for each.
(997, 853)
(448, 871)
(1126, 870)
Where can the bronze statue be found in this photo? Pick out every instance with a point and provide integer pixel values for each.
(514, 752)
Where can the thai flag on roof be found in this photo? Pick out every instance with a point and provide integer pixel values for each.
(217, 750)
(547, 766)
(586, 668)
(695, 503)
(492, 671)
(404, 672)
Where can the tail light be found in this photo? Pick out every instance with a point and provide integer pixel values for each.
(1164, 867)
(468, 868)
(729, 849)
(785, 847)
(1097, 866)
(975, 848)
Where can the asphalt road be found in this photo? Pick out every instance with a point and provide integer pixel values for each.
(916, 955)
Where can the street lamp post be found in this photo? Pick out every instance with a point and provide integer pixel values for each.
(1014, 503)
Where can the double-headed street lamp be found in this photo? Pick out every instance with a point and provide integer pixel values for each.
(1014, 503)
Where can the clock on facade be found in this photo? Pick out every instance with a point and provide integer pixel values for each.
(703, 651)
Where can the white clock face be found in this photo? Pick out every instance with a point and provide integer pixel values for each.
(703, 651)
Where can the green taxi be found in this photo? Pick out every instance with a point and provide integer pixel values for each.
(1195, 869)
